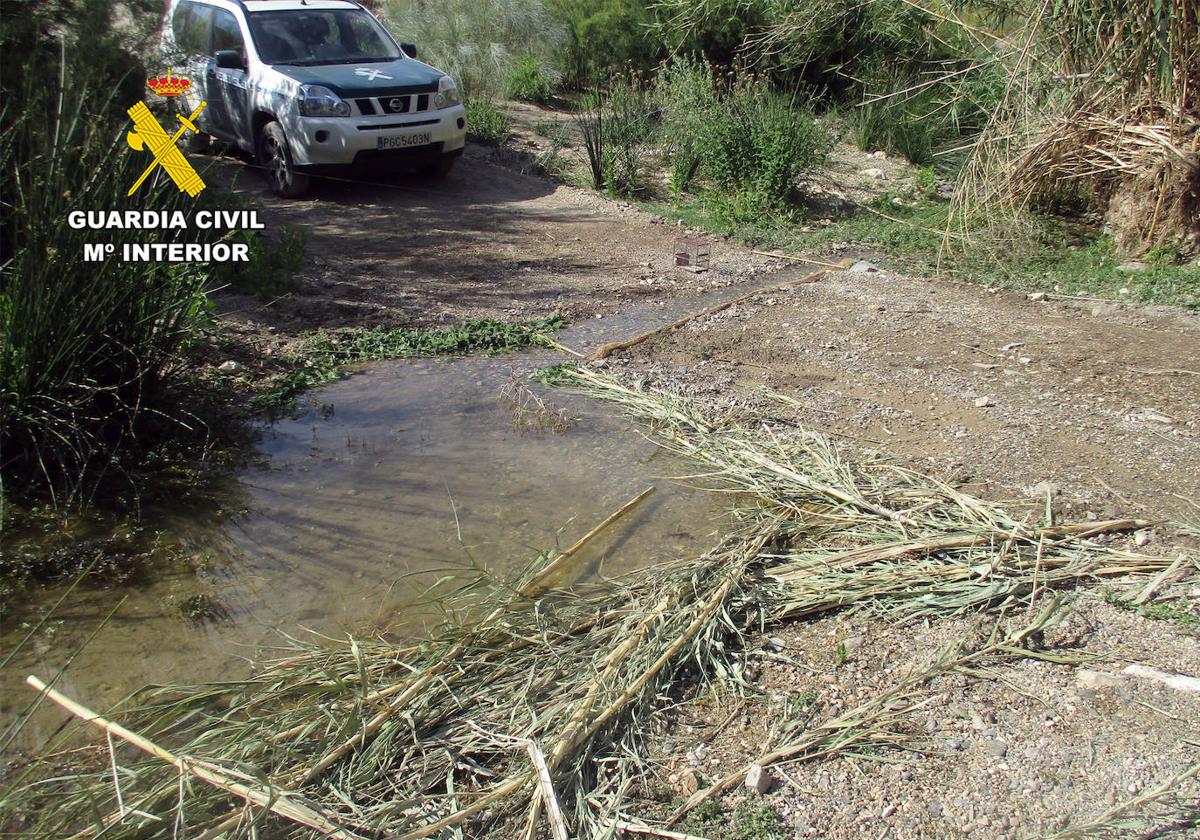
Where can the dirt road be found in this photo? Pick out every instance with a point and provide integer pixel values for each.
(486, 242)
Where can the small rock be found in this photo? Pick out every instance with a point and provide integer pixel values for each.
(879, 155)
(691, 781)
(997, 748)
(230, 367)
(863, 267)
(1043, 489)
(1096, 680)
(1008, 348)
(759, 780)
(776, 644)
(983, 402)
(1179, 682)
(1142, 538)
(1132, 267)
(874, 174)
(1037, 296)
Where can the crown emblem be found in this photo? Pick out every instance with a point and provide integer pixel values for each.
(168, 85)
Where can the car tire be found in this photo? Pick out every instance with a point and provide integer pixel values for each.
(441, 167)
(275, 157)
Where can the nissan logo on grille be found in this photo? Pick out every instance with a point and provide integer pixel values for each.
(396, 104)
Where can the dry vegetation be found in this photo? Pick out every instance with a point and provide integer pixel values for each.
(526, 714)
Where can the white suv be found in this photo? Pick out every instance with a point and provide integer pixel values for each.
(311, 85)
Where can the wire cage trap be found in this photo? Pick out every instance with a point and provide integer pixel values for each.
(691, 254)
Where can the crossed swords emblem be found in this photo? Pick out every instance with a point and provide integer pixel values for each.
(149, 134)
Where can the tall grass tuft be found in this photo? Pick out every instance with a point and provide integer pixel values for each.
(478, 42)
(85, 347)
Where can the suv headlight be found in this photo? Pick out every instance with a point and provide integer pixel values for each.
(447, 95)
(320, 101)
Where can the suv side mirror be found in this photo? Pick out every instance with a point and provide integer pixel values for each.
(409, 49)
(230, 60)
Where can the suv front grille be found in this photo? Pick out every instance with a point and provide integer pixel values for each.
(406, 103)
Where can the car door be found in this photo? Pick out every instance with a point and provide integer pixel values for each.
(191, 27)
(228, 88)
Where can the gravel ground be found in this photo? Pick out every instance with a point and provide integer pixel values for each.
(1021, 750)
(1008, 398)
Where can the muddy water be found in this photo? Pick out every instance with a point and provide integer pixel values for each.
(387, 480)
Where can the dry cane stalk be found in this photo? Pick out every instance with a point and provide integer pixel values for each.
(571, 741)
(531, 589)
(274, 800)
(608, 349)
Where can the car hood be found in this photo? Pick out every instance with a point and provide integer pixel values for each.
(391, 78)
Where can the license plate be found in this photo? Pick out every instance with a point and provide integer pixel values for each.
(403, 141)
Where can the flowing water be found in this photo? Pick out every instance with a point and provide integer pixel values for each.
(394, 477)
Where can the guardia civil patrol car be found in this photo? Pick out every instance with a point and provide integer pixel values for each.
(307, 86)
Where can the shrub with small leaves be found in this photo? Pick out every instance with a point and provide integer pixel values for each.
(755, 143)
(486, 123)
(529, 81)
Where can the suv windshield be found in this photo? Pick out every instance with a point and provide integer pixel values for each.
(320, 36)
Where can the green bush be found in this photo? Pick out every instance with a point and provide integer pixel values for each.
(272, 268)
(603, 37)
(528, 81)
(686, 95)
(486, 123)
(754, 144)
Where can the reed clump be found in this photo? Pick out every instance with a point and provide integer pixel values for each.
(524, 714)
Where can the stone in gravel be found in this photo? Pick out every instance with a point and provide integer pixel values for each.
(1043, 489)
(1097, 680)
(1142, 538)
(873, 173)
(997, 748)
(230, 367)
(691, 781)
(776, 644)
(759, 780)
(863, 267)
(1037, 296)
(1179, 682)
(983, 402)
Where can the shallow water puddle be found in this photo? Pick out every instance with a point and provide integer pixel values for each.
(389, 479)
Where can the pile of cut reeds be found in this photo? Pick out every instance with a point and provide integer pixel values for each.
(1101, 104)
(527, 720)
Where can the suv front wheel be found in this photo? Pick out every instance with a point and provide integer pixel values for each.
(275, 157)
